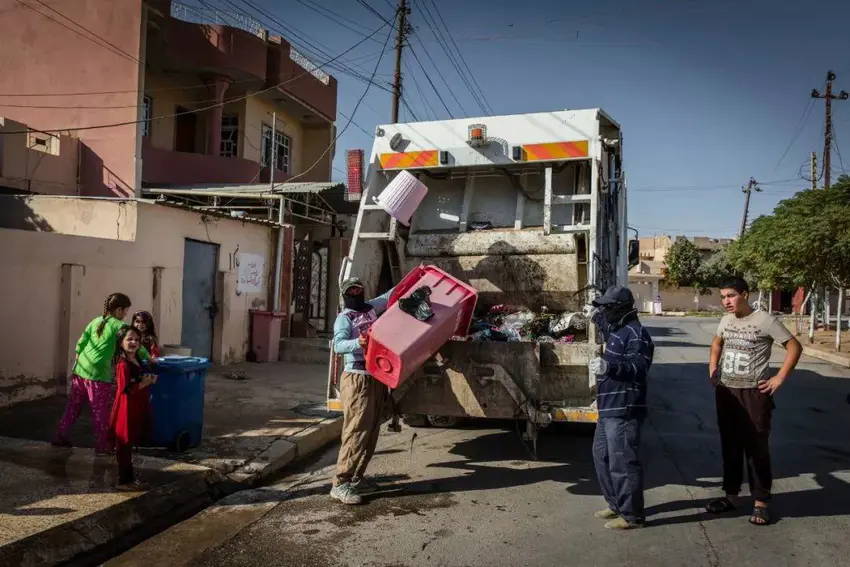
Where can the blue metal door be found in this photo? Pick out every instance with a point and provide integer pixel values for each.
(200, 260)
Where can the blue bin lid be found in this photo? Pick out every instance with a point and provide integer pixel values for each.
(177, 363)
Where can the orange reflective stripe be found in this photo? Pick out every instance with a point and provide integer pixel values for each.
(406, 160)
(556, 150)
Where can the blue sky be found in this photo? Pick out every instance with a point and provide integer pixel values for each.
(707, 93)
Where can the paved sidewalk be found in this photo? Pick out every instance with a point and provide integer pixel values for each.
(258, 418)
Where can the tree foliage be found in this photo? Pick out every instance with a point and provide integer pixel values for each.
(718, 268)
(683, 263)
(805, 242)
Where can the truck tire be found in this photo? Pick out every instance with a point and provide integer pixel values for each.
(444, 421)
(415, 420)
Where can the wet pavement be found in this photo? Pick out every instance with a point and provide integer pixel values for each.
(471, 496)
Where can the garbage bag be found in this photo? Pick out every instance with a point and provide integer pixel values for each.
(567, 322)
(418, 304)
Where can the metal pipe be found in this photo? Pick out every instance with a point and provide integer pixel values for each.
(278, 263)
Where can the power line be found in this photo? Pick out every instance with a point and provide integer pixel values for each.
(413, 52)
(443, 43)
(109, 46)
(353, 112)
(203, 109)
(462, 58)
(803, 118)
(683, 188)
(425, 104)
(442, 76)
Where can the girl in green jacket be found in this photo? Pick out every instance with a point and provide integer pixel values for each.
(92, 378)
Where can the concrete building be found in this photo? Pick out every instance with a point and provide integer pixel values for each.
(124, 126)
(161, 93)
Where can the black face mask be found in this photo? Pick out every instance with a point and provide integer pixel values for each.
(355, 302)
(614, 313)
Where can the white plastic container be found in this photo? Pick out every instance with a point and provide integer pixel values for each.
(402, 197)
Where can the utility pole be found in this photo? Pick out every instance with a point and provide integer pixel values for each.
(813, 170)
(827, 137)
(752, 185)
(401, 23)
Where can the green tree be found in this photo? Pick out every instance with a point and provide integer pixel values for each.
(683, 263)
(805, 242)
(716, 269)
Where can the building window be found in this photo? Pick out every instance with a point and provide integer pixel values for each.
(147, 114)
(230, 135)
(283, 144)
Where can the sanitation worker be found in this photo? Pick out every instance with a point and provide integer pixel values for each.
(621, 402)
(363, 396)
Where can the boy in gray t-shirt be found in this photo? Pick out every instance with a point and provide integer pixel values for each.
(747, 346)
(739, 369)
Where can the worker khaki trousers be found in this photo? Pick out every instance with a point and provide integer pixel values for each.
(363, 400)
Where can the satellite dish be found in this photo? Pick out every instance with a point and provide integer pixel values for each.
(395, 141)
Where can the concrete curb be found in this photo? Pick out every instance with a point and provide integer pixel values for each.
(100, 534)
(287, 450)
(836, 359)
(184, 542)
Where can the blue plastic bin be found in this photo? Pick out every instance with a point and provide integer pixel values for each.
(177, 402)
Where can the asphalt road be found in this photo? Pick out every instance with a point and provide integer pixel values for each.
(471, 496)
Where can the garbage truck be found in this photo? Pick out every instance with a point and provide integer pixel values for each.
(528, 209)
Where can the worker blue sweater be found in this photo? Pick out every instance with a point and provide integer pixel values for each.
(348, 327)
(621, 391)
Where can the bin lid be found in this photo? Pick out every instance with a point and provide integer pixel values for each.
(178, 363)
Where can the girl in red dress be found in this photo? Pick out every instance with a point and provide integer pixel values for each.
(130, 416)
(143, 322)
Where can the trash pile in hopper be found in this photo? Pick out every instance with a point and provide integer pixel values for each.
(503, 323)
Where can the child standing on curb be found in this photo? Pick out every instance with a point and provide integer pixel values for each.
(130, 417)
(92, 375)
(143, 322)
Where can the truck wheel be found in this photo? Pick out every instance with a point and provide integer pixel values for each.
(444, 421)
(415, 420)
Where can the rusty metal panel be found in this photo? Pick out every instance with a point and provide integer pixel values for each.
(461, 387)
(492, 242)
(527, 281)
(564, 375)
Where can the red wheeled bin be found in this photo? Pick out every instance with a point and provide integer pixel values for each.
(399, 344)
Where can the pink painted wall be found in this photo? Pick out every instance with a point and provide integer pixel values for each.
(65, 278)
(42, 56)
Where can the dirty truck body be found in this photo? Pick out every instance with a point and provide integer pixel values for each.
(549, 189)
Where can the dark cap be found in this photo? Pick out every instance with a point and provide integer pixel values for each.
(615, 295)
(350, 283)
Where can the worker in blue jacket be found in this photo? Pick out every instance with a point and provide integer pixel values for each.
(621, 376)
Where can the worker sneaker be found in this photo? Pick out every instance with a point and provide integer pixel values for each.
(621, 523)
(606, 514)
(346, 493)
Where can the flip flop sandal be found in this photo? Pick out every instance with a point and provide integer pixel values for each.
(720, 506)
(760, 516)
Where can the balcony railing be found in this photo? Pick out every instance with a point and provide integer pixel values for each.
(308, 65)
(210, 15)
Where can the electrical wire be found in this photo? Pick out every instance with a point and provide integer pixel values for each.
(195, 111)
(433, 86)
(837, 149)
(680, 188)
(109, 46)
(304, 41)
(443, 43)
(805, 116)
(441, 75)
(353, 113)
(425, 103)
